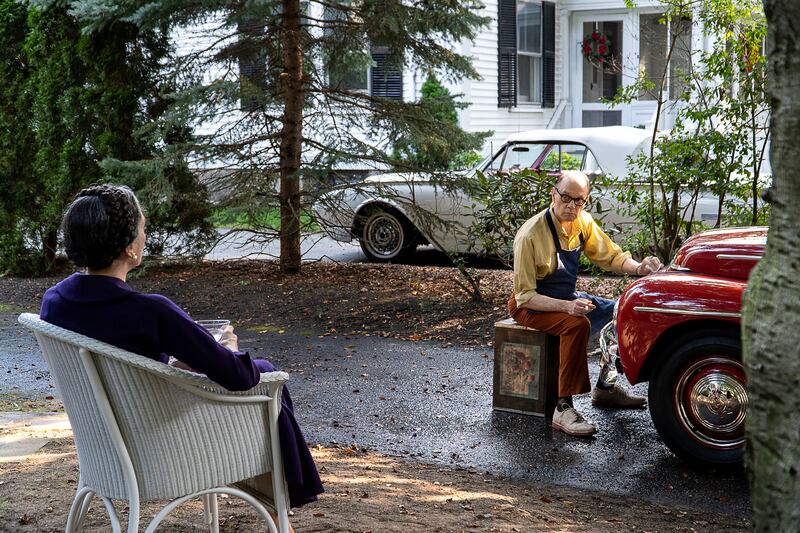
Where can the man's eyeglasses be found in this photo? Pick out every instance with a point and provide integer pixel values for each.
(579, 202)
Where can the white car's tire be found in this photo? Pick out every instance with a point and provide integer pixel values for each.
(387, 236)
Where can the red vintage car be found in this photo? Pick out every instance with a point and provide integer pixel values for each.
(679, 329)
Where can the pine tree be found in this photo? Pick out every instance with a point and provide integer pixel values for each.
(433, 153)
(73, 105)
(300, 109)
(16, 144)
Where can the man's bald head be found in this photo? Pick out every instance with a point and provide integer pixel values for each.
(570, 177)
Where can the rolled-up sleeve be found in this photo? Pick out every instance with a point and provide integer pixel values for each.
(524, 270)
(600, 249)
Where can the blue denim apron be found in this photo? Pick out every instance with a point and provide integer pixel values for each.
(561, 284)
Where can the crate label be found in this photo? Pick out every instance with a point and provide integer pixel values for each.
(520, 368)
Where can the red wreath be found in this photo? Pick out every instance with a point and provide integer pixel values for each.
(596, 48)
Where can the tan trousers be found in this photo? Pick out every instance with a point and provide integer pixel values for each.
(573, 333)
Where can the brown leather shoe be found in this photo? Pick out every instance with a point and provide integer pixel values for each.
(617, 397)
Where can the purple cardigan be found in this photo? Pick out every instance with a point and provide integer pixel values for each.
(109, 310)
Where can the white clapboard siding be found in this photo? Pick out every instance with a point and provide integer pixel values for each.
(483, 114)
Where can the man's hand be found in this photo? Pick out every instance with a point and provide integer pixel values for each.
(229, 339)
(579, 307)
(649, 264)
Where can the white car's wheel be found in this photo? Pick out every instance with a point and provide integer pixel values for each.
(386, 236)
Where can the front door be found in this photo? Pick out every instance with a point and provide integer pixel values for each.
(598, 62)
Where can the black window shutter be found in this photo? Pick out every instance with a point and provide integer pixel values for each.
(507, 53)
(548, 54)
(252, 67)
(387, 81)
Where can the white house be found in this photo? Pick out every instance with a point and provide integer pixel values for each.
(533, 70)
(534, 73)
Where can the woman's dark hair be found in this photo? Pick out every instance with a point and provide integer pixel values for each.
(99, 224)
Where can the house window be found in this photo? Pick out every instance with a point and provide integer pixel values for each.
(386, 79)
(252, 62)
(526, 53)
(529, 51)
(353, 71)
(656, 35)
(342, 64)
(253, 56)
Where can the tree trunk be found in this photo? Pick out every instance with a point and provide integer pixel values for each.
(771, 317)
(49, 246)
(291, 137)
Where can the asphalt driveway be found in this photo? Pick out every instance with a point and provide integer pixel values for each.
(431, 403)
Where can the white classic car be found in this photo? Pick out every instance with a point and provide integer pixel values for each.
(391, 214)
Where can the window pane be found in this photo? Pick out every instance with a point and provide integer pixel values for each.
(522, 155)
(603, 80)
(572, 156)
(529, 27)
(594, 119)
(681, 61)
(349, 79)
(652, 52)
(529, 76)
(563, 157)
(494, 164)
(342, 67)
(590, 164)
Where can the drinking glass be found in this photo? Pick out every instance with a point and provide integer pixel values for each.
(214, 327)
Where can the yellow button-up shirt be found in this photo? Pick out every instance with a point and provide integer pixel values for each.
(535, 252)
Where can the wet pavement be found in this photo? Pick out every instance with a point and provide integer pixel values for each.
(320, 247)
(432, 403)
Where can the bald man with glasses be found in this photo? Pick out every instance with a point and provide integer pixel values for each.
(547, 251)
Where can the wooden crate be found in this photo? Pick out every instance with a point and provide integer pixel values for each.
(525, 370)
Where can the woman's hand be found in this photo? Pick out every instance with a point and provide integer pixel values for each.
(229, 339)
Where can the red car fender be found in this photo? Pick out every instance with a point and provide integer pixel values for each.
(657, 309)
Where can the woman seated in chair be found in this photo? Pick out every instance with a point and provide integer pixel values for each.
(104, 231)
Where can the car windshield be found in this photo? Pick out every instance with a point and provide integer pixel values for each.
(549, 157)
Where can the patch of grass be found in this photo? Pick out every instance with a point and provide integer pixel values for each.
(11, 402)
(269, 328)
(268, 217)
(10, 308)
(266, 328)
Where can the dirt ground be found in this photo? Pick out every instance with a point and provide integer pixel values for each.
(408, 302)
(365, 491)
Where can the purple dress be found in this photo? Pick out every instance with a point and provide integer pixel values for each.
(109, 310)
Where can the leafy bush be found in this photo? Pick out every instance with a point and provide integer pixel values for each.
(73, 113)
(425, 149)
(505, 202)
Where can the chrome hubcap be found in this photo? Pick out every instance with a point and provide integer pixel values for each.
(711, 401)
(383, 235)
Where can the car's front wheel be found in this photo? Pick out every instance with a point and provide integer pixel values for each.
(698, 399)
(387, 236)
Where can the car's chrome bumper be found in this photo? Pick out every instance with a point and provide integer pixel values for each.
(608, 347)
(608, 343)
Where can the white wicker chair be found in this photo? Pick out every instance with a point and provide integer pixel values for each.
(147, 431)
